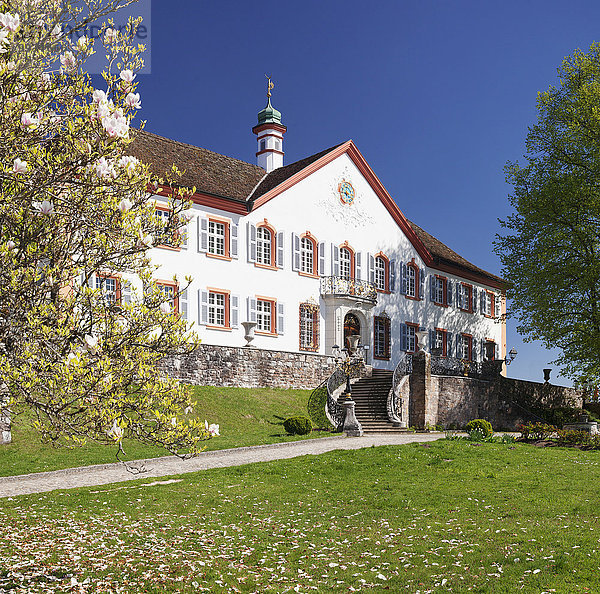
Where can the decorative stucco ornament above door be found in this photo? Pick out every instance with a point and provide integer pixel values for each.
(345, 202)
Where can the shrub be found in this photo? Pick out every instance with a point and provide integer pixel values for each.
(560, 415)
(537, 431)
(481, 425)
(567, 437)
(298, 425)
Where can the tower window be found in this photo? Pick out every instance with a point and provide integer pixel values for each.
(263, 145)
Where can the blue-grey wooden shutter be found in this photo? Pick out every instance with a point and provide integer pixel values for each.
(202, 306)
(280, 318)
(125, 291)
(251, 231)
(234, 311)
(459, 296)
(371, 264)
(322, 259)
(482, 296)
(422, 283)
(279, 247)
(202, 234)
(431, 287)
(295, 252)
(403, 337)
(482, 350)
(496, 351)
(449, 349)
(431, 340)
(392, 286)
(183, 304)
(358, 266)
(496, 311)
(335, 260)
(448, 292)
(474, 348)
(233, 240)
(474, 299)
(404, 278)
(251, 309)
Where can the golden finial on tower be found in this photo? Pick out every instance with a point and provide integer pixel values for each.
(270, 85)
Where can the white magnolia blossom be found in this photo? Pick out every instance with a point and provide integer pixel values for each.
(146, 239)
(105, 169)
(68, 61)
(4, 41)
(110, 35)
(174, 422)
(82, 42)
(133, 100)
(29, 121)
(91, 343)
(125, 205)
(115, 431)
(11, 245)
(188, 410)
(45, 207)
(43, 81)
(10, 22)
(166, 307)
(99, 96)
(128, 163)
(19, 166)
(213, 428)
(116, 124)
(127, 76)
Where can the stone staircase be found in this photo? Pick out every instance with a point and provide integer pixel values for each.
(370, 395)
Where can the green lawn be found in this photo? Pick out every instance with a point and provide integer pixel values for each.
(446, 516)
(247, 416)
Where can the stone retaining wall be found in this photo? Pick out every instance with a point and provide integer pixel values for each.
(249, 367)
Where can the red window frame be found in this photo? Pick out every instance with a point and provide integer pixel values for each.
(175, 287)
(469, 337)
(486, 343)
(271, 229)
(314, 311)
(346, 246)
(417, 296)
(386, 272)
(492, 304)
(416, 327)
(444, 333)
(387, 337)
(166, 246)
(315, 253)
(444, 301)
(226, 246)
(273, 303)
(117, 287)
(470, 297)
(226, 303)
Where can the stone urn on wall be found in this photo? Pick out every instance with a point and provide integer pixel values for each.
(249, 332)
(353, 343)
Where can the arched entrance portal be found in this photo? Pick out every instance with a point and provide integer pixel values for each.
(351, 328)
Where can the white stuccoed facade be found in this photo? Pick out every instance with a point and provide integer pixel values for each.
(312, 202)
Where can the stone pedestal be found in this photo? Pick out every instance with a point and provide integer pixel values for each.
(352, 428)
(423, 404)
(584, 424)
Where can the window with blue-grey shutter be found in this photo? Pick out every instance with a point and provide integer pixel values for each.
(474, 301)
(280, 250)
(432, 288)
(403, 278)
(496, 305)
(280, 318)
(371, 268)
(295, 252)
(403, 337)
(358, 265)
(251, 302)
(183, 304)
(392, 272)
(449, 344)
(234, 313)
(335, 260)
(322, 259)
(422, 284)
(251, 236)
(448, 292)
(202, 307)
(233, 240)
(202, 234)
(474, 351)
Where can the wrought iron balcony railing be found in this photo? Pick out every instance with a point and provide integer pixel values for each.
(348, 287)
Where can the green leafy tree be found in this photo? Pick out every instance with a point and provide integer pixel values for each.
(551, 249)
(74, 210)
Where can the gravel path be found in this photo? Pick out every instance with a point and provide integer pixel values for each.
(102, 474)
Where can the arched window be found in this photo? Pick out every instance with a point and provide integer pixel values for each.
(381, 276)
(307, 255)
(346, 263)
(264, 245)
(412, 281)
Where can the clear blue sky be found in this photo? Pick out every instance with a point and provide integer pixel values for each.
(437, 95)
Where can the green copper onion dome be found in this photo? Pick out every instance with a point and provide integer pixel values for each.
(269, 115)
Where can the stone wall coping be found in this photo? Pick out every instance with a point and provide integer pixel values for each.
(253, 348)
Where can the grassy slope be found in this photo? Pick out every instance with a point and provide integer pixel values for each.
(445, 516)
(246, 417)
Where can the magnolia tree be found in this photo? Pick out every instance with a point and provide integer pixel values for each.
(74, 211)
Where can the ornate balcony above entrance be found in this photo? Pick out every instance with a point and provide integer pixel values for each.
(338, 286)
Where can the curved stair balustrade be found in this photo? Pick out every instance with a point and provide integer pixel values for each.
(463, 368)
(394, 403)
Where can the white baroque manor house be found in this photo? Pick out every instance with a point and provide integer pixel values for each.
(313, 252)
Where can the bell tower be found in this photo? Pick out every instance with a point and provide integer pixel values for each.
(269, 135)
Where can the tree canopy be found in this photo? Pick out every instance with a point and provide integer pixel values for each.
(83, 325)
(550, 250)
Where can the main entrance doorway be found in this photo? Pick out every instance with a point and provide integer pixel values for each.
(351, 328)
